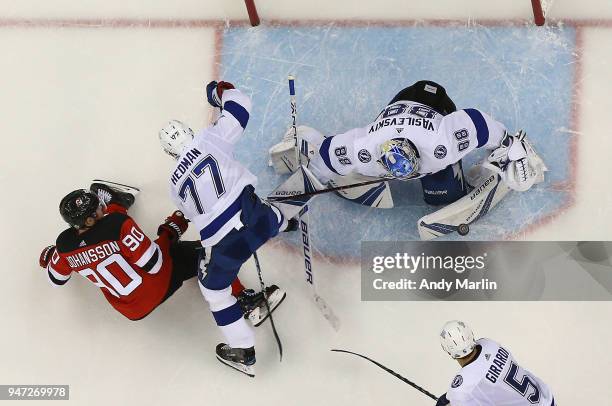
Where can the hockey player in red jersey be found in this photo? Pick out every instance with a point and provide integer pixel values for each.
(106, 246)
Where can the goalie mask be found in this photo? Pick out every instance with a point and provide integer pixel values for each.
(399, 157)
(174, 137)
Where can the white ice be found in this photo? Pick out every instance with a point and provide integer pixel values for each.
(85, 86)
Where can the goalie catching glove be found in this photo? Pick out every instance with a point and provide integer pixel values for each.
(174, 226)
(516, 162)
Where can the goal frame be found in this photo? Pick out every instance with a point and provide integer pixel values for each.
(536, 5)
(538, 12)
(252, 11)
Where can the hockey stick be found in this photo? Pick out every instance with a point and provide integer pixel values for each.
(263, 290)
(291, 80)
(304, 220)
(332, 189)
(395, 374)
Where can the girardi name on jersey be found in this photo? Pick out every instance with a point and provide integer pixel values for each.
(499, 362)
(184, 164)
(92, 255)
(402, 121)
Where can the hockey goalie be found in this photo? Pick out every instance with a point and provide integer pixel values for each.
(420, 135)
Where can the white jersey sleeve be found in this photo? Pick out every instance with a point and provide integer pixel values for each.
(496, 379)
(463, 131)
(234, 117)
(337, 153)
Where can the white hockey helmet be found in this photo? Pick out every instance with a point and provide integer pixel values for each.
(457, 339)
(399, 157)
(174, 137)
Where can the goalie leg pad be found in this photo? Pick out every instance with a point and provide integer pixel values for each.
(377, 195)
(466, 210)
(302, 181)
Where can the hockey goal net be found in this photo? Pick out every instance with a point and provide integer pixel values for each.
(540, 9)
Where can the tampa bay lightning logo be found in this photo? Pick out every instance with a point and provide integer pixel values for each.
(364, 156)
(457, 381)
(440, 151)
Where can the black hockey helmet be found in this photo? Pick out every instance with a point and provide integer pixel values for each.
(77, 206)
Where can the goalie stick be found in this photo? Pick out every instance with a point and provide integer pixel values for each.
(395, 374)
(305, 223)
(327, 190)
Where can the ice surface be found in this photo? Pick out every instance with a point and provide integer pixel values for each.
(86, 86)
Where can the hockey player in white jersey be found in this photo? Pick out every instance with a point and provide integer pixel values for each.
(420, 134)
(216, 193)
(489, 375)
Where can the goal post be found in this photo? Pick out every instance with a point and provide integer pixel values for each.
(538, 12)
(252, 11)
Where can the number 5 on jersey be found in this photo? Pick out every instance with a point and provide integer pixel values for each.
(526, 386)
(189, 184)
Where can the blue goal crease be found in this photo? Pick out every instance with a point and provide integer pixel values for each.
(346, 75)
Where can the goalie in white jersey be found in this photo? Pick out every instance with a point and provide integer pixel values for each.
(489, 375)
(216, 193)
(419, 134)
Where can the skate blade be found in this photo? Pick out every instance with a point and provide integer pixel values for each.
(119, 186)
(248, 370)
(274, 301)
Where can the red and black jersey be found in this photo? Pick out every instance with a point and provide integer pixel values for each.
(132, 271)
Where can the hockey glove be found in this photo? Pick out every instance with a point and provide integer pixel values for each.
(516, 162)
(442, 401)
(45, 256)
(174, 226)
(214, 92)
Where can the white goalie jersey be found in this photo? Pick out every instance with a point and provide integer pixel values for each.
(439, 140)
(496, 379)
(207, 181)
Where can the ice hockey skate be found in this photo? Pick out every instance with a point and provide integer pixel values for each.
(241, 359)
(108, 192)
(254, 304)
